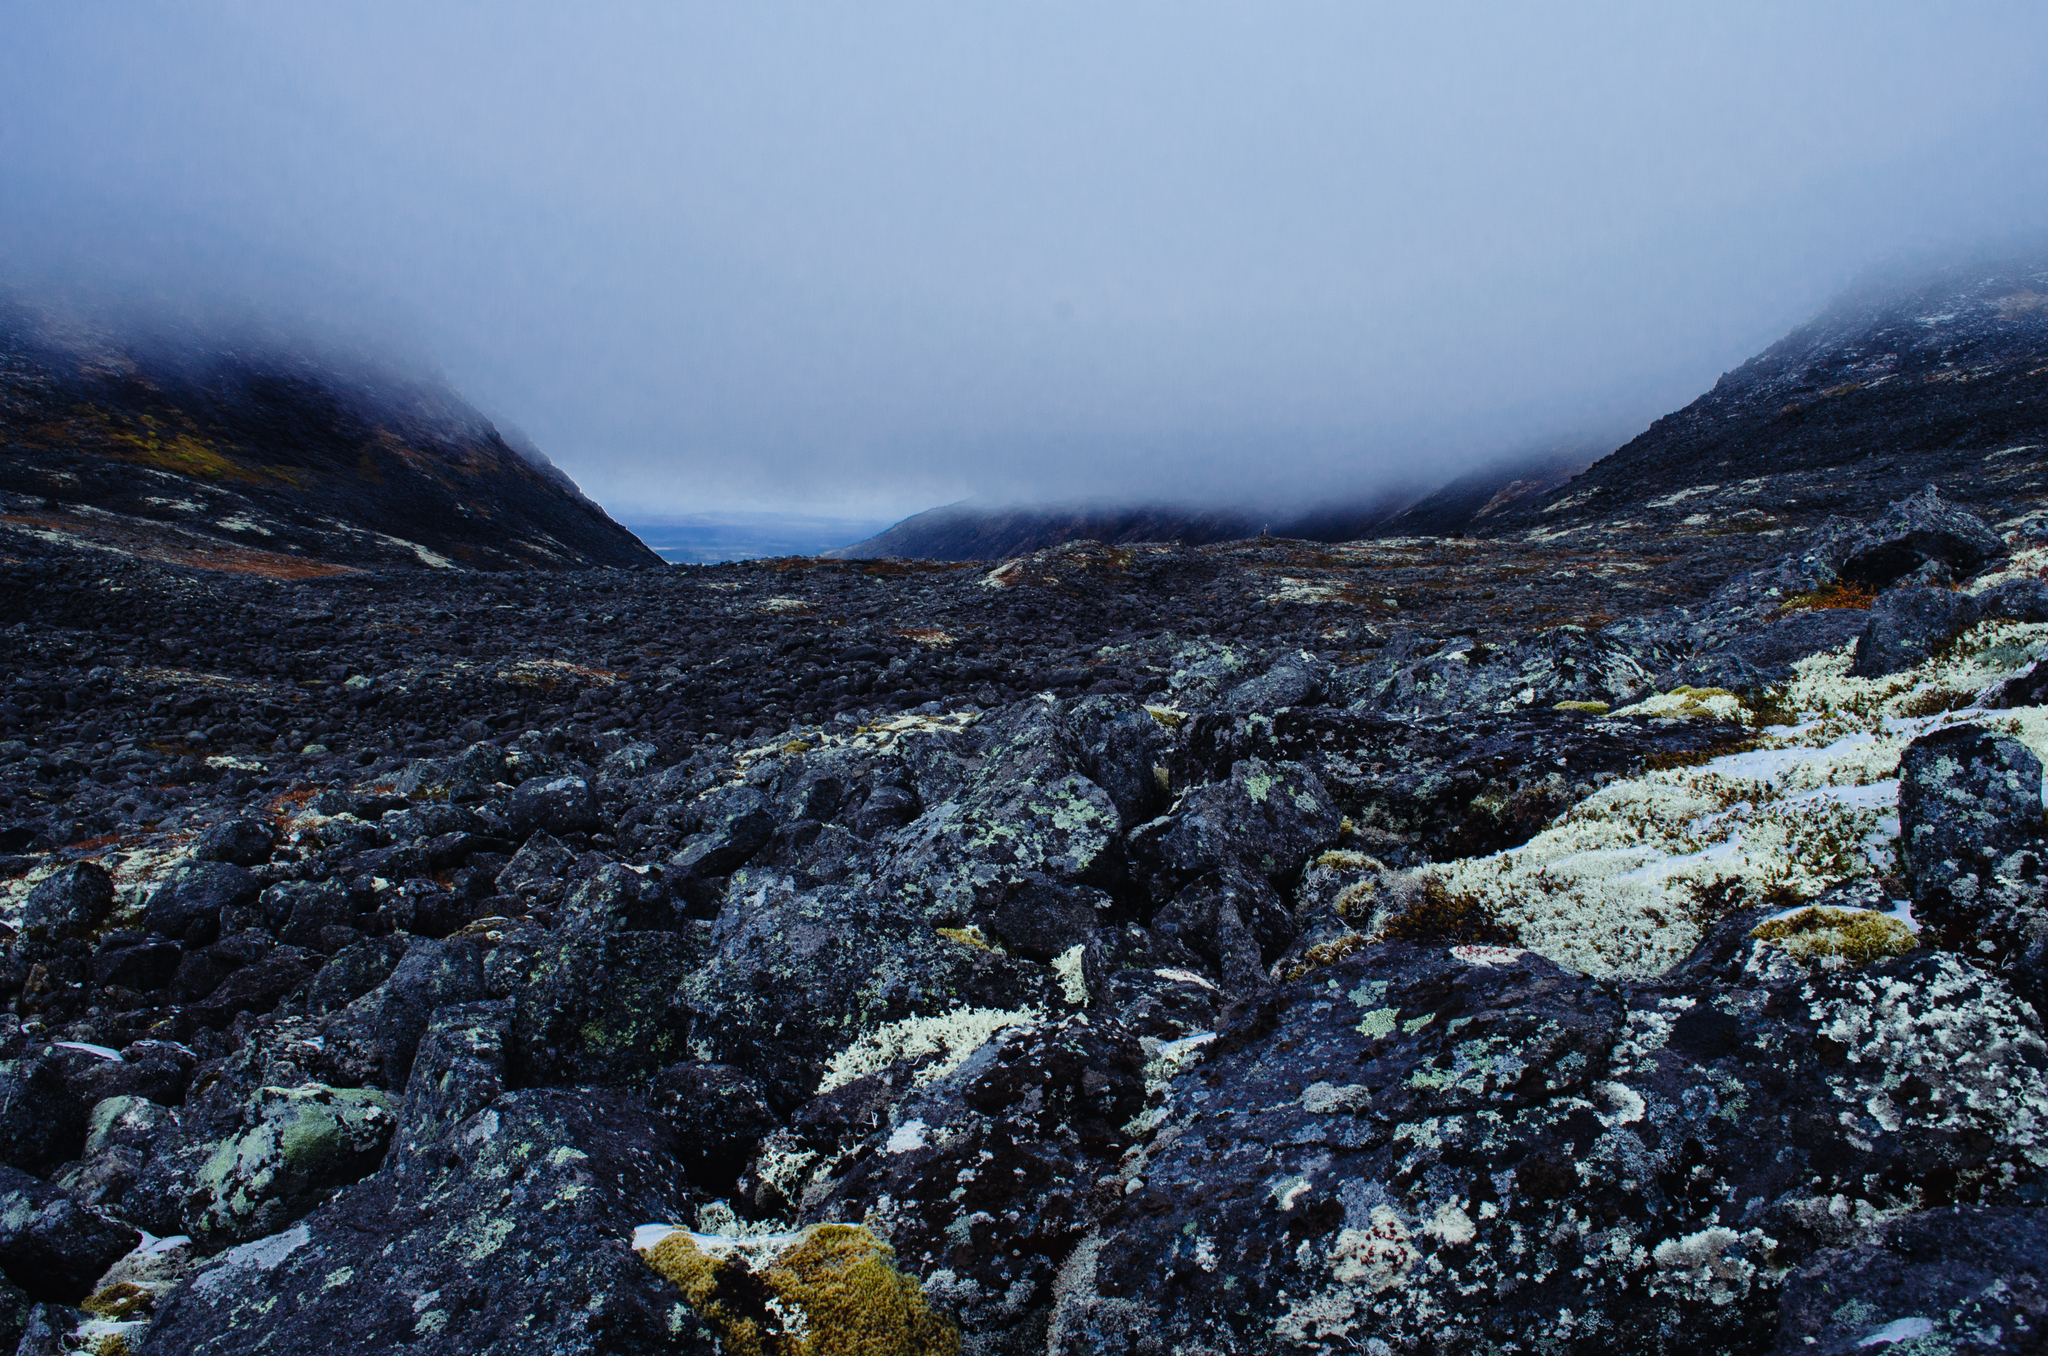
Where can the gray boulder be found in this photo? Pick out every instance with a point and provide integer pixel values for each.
(1969, 1280)
(1917, 533)
(244, 842)
(1969, 801)
(1906, 626)
(508, 1235)
(187, 906)
(50, 1245)
(732, 823)
(69, 903)
(554, 805)
(41, 1121)
(1264, 819)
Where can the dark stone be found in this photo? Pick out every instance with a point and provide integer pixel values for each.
(1038, 918)
(553, 805)
(1906, 626)
(70, 902)
(1970, 1280)
(1916, 532)
(348, 1279)
(244, 842)
(604, 1007)
(146, 966)
(734, 822)
(187, 906)
(717, 1116)
(51, 1246)
(538, 872)
(1969, 801)
(41, 1120)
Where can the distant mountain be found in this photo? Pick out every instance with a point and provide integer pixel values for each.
(269, 455)
(1940, 377)
(1466, 504)
(968, 531)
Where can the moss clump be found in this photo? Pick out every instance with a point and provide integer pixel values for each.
(122, 1300)
(113, 1344)
(1857, 936)
(1438, 915)
(1836, 595)
(1327, 953)
(1589, 708)
(838, 1277)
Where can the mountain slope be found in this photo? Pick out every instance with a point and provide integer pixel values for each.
(270, 456)
(1943, 378)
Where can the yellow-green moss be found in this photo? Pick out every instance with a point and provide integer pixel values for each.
(122, 1300)
(1856, 935)
(839, 1276)
(1590, 708)
(1327, 953)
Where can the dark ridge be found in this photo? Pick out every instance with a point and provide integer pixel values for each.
(1473, 499)
(1943, 379)
(205, 443)
(966, 531)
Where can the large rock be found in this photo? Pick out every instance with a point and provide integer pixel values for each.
(1908, 625)
(187, 906)
(731, 825)
(1924, 534)
(1968, 1280)
(604, 1007)
(554, 805)
(70, 902)
(41, 1121)
(1362, 1153)
(374, 1039)
(510, 1234)
(1264, 819)
(244, 842)
(1970, 823)
(50, 1245)
(300, 1143)
(984, 1179)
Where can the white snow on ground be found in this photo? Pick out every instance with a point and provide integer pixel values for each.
(1625, 882)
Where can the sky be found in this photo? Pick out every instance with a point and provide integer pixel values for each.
(860, 260)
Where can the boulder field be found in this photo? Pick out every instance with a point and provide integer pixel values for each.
(1422, 946)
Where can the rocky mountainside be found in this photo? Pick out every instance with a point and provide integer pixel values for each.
(268, 456)
(1421, 945)
(1940, 379)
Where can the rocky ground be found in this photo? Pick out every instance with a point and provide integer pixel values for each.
(1423, 946)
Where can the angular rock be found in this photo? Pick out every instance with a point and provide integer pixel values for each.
(243, 842)
(1906, 626)
(70, 902)
(1265, 819)
(375, 1037)
(1915, 533)
(717, 1116)
(298, 1145)
(50, 1245)
(1972, 1280)
(41, 1121)
(513, 1237)
(553, 805)
(187, 906)
(1969, 800)
(603, 1007)
(732, 824)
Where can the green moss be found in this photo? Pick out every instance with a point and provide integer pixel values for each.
(122, 1300)
(1855, 935)
(840, 1276)
(1439, 915)
(1590, 708)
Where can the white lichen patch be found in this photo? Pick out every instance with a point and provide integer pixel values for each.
(1625, 882)
(951, 1038)
(1073, 974)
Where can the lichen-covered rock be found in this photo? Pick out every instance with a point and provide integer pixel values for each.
(1905, 627)
(70, 902)
(732, 823)
(375, 1037)
(1362, 1153)
(983, 1179)
(298, 1144)
(1969, 801)
(514, 1240)
(50, 1245)
(1264, 819)
(1916, 533)
(795, 976)
(1968, 1280)
(187, 906)
(717, 1116)
(603, 1007)
(554, 805)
